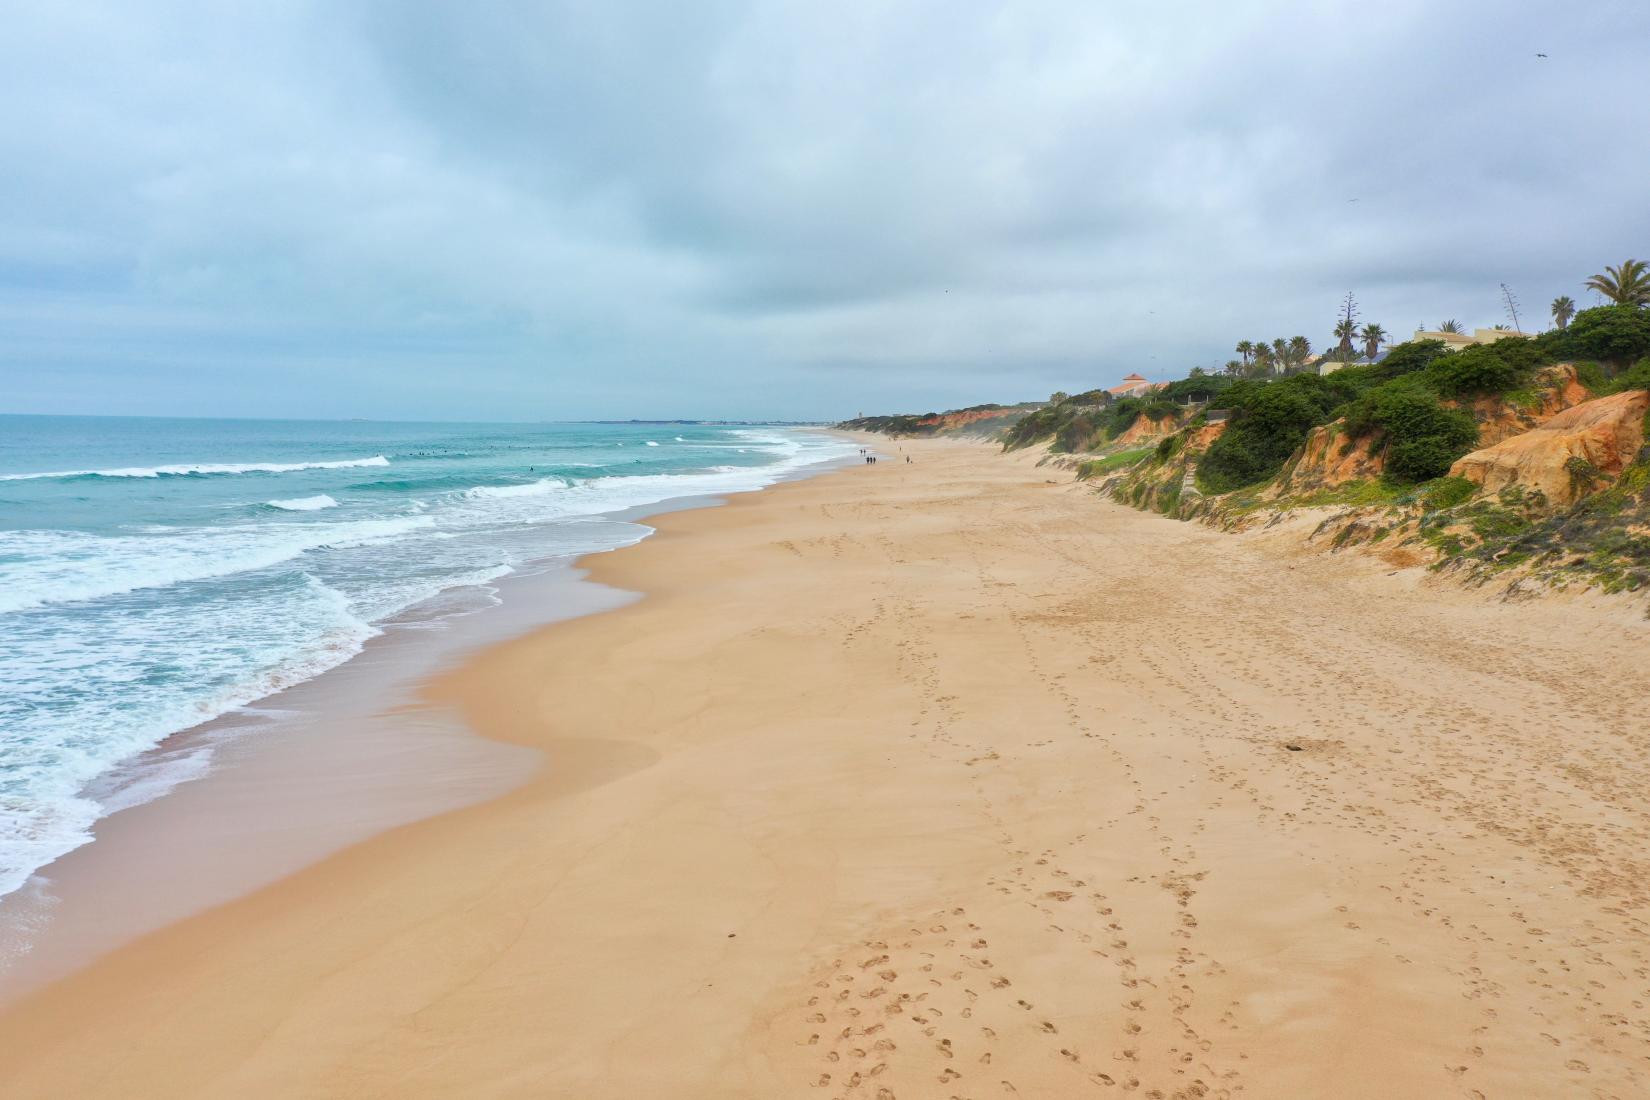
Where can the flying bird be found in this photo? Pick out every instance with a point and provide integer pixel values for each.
(1541, 55)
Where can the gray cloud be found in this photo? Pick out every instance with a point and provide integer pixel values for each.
(526, 209)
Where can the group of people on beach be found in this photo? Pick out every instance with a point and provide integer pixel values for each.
(871, 458)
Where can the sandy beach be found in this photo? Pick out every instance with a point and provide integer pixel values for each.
(949, 779)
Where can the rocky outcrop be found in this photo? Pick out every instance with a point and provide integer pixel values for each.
(1330, 457)
(1145, 430)
(1166, 481)
(1198, 441)
(1556, 389)
(1574, 453)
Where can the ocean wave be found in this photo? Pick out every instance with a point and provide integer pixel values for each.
(414, 484)
(67, 768)
(266, 602)
(54, 567)
(303, 504)
(199, 469)
(531, 489)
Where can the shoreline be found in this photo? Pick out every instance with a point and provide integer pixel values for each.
(880, 739)
(298, 775)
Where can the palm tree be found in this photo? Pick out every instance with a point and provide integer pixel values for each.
(1245, 348)
(1627, 285)
(1345, 330)
(1372, 336)
(1564, 308)
(1451, 325)
(1263, 357)
(1299, 350)
(1280, 356)
(1234, 368)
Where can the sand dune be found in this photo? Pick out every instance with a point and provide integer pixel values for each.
(948, 780)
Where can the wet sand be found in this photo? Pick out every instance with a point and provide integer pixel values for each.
(281, 784)
(949, 779)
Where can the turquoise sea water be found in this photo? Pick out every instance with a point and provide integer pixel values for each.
(157, 573)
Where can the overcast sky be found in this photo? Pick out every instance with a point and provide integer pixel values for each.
(716, 208)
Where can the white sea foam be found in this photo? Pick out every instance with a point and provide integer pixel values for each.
(531, 489)
(201, 468)
(617, 492)
(53, 567)
(158, 774)
(66, 769)
(304, 504)
(286, 599)
(652, 443)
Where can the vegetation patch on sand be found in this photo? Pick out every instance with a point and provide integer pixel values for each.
(1096, 467)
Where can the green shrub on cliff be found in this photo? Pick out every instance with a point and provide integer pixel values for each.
(1615, 334)
(1196, 387)
(1423, 438)
(1494, 368)
(1036, 426)
(1075, 434)
(1636, 377)
(1082, 423)
(1406, 358)
(1120, 416)
(1270, 420)
(1447, 492)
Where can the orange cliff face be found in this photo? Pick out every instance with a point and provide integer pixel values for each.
(1199, 440)
(1145, 429)
(1570, 455)
(952, 420)
(1330, 457)
(1557, 389)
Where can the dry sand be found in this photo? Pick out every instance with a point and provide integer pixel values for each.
(946, 780)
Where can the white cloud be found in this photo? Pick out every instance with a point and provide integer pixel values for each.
(777, 208)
